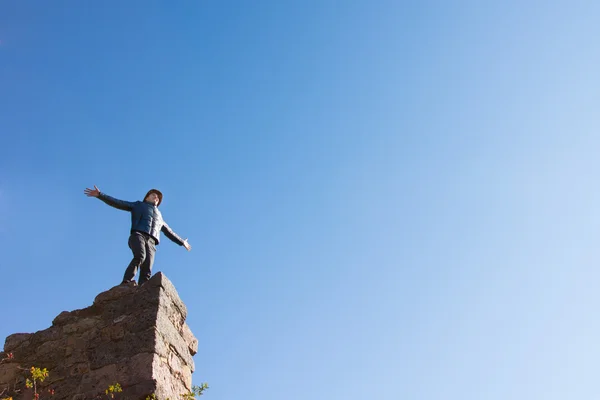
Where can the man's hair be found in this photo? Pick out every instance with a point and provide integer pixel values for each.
(158, 192)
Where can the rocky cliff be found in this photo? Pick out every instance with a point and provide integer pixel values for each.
(134, 336)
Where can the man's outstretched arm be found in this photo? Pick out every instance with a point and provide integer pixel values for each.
(175, 237)
(111, 201)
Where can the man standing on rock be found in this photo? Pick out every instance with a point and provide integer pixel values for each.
(146, 225)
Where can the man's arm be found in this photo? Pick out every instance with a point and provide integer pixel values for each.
(175, 237)
(111, 201)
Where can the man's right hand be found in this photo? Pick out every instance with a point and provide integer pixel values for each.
(95, 192)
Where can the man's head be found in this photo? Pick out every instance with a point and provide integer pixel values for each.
(154, 196)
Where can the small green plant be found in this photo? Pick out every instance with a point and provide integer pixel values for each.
(197, 391)
(37, 375)
(112, 389)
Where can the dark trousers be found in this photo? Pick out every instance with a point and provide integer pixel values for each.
(143, 248)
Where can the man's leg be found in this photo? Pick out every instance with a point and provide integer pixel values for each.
(138, 247)
(146, 269)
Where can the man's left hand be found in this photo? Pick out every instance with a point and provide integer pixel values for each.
(187, 245)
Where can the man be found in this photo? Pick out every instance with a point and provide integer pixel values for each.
(146, 225)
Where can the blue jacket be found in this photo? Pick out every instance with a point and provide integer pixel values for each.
(145, 217)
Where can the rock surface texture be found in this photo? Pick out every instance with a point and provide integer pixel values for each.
(134, 336)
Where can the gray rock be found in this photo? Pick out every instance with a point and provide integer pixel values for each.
(13, 341)
(134, 336)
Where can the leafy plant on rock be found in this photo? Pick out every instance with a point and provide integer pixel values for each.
(112, 389)
(37, 375)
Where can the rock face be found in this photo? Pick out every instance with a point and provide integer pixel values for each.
(136, 337)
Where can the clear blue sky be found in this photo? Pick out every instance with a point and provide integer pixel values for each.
(387, 200)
